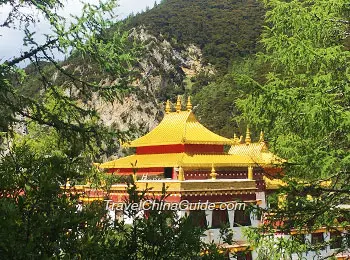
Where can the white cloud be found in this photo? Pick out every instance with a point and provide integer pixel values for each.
(11, 41)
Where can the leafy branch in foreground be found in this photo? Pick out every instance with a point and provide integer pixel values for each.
(87, 37)
(304, 103)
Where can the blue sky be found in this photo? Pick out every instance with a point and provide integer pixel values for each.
(11, 40)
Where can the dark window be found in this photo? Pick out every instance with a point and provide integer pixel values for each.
(168, 173)
(336, 240)
(198, 218)
(244, 256)
(242, 218)
(220, 218)
(317, 238)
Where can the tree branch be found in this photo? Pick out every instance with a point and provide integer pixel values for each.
(30, 54)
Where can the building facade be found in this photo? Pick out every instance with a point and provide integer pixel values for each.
(200, 168)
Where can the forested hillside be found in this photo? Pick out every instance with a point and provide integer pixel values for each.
(227, 32)
(223, 29)
(184, 47)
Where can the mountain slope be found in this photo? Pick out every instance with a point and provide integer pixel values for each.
(180, 39)
(222, 29)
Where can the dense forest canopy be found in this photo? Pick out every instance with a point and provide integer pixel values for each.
(223, 29)
(304, 104)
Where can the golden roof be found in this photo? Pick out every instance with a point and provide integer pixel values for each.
(258, 152)
(179, 127)
(179, 159)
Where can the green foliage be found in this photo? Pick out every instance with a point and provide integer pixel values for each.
(40, 219)
(215, 104)
(86, 37)
(39, 213)
(274, 248)
(36, 216)
(224, 30)
(304, 104)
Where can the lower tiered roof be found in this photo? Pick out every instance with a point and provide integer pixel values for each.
(184, 160)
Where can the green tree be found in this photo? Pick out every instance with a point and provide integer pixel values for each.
(85, 37)
(41, 220)
(304, 106)
(215, 104)
(224, 30)
(38, 218)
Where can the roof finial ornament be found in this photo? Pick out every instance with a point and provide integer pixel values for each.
(213, 174)
(261, 140)
(178, 104)
(181, 176)
(167, 107)
(250, 173)
(241, 141)
(248, 140)
(189, 104)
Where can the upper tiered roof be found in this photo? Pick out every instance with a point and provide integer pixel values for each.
(179, 127)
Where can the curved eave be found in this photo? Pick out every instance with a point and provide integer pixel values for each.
(179, 159)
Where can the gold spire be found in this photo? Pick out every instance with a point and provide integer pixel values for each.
(213, 174)
(241, 139)
(167, 107)
(189, 104)
(261, 140)
(250, 173)
(248, 140)
(178, 104)
(181, 176)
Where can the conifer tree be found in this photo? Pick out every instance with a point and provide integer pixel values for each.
(40, 216)
(304, 107)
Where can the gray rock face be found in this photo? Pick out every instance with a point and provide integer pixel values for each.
(162, 73)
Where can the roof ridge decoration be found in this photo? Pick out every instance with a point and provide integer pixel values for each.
(213, 173)
(235, 139)
(261, 139)
(178, 104)
(248, 139)
(167, 107)
(189, 104)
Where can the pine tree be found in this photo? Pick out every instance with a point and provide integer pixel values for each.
(304, 107)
